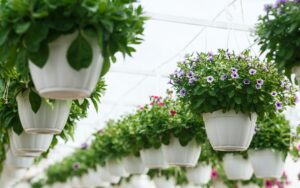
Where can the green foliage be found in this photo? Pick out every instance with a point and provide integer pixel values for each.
(272, 133)
(27, 27)
(279, 35)
(226, 81)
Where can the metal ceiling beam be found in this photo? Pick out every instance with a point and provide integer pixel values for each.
(199, 22)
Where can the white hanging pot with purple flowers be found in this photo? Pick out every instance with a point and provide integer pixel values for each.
(230, 131)
(153, 158)
(199, 175)
(134, 165)
(116, 168)
(230, 90)
(236, 167)
(163, 182)
(47, 119)
(267, 163)
(177, 155)
(57, 79)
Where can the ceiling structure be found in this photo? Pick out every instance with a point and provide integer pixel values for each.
(176, 27)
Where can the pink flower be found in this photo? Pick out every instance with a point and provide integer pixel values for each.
(298, 147)
(268, 184)
(214, 174)
(161, 104)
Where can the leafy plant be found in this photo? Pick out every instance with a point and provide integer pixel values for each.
(279, 35)
(226, 81)
(27, 28)
(272, 133)
(175, 172)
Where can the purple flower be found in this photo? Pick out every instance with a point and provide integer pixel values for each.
(297, 99)
(170, 82)
(267, 7)
(210, 54)
(210, 79)
(210, 58)
(190, 74)
(282, 83)
(252, 71)
(278, 105)
(246, 81)
(274, 93)
(258, 86)
(192, 80)
(182, 92)
(76, 166)
(234, 75)
(260, 82)
(234, 70)
(223, 77)
(179, 73)
(279, 2)
(84, 146)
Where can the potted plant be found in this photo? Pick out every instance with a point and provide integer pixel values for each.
(167, 178)
(116, 168)
(18, 162)
(47, 118)
(230, 90)
(106, 176)
(183, 137)
(67, 44)
(270, 146)
(237, 166)
(278, 35)
(29, 143)
(201, 174)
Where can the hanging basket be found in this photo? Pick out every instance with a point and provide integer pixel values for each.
(177, 155)
(47, 120)
(91, 179)
(229, 131)
(58, 80)
(267, 163)
(29, 143)
(139, 181)
(236, 167)
(116, 168)
(18, 162)
(199, 175)
(163, 182)
(134, 165)
(219, 184)
(153, 158)
(105, 176)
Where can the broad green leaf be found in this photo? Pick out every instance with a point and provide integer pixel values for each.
(22, 27)
(105, 67)
(3, 35)
(34, 36)
(17, 126)
(40, 58)
(35, 101)
(80, 53)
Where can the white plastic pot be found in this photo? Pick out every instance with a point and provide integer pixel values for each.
(163, 182)
(141, 181)
(229, 131)
(18, 162)
(296, 71)
(134, 165)
(58, 80)
(29, 143)
(92, 179)
(116, 168)
(190, 186)
(251, 185)
(47, 120)
(236, 167)
(105, 176)
(153, 158)
(267, 163)
(177, 155)
(199, 175)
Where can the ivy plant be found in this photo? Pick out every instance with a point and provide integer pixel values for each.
(228, 81)
(278, 34)
(27, 28)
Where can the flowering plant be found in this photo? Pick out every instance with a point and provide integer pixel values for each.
(279, 35)
(272, 133)
(164, 118)
(226, 81)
